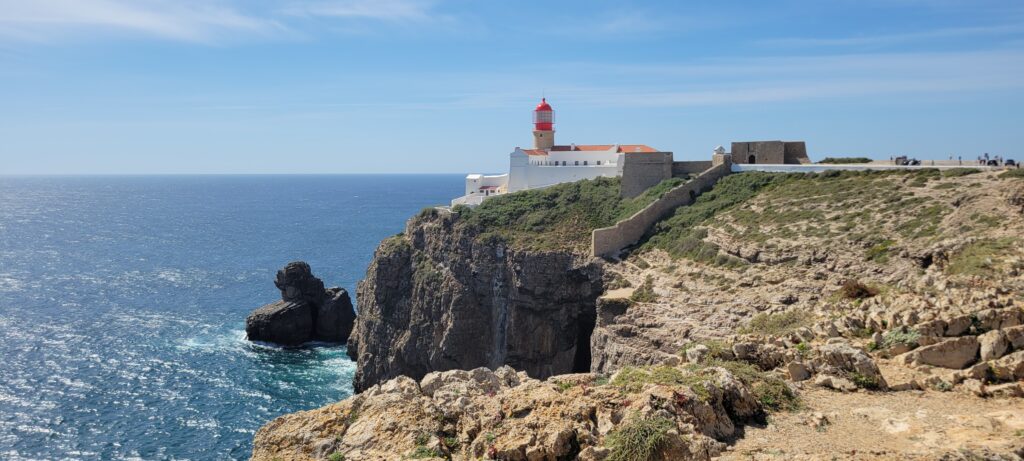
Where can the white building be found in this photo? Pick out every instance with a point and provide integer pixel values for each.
(548, 164)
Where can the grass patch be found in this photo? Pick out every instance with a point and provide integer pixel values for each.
(1015, 173)
(777, 324)
(336, 457)
(979, 258)
(678, 235)
(638, 440)
(846, 160)
(716, 349)
(958, 172)
(879, 253)
(422, 452)
(633, 379)
(645, 292)
(558, 217)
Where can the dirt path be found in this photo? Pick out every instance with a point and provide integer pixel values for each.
(895, 425)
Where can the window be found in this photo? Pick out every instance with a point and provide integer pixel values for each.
(584, 163)
(577, 163)
(598, 163)
(563, 162)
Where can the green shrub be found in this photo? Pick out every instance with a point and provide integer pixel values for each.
(777, 324)
(864, 382)
(336, 457)
(846, 160)
(638, 440)
(645, 292)
(894, 337)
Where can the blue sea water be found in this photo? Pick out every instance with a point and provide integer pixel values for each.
(123, 299)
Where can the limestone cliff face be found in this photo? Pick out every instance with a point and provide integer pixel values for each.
(439, 297)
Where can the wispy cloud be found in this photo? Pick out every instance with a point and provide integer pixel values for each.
(388, 10)
(724, 82)
(899, 38)
(193, 21)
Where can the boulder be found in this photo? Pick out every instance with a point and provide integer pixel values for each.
(955, 353)
(993, 345)
(697, 354)
(307, 312)
(798, 371)
(1015, 337)
(835, 382)
(282, 322)
(995, 319)
(842, 358)
(1009, 368)
(958, 325)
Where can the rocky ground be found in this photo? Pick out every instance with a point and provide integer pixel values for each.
(827, 317)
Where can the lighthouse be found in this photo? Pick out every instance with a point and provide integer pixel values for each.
(547, 164)
(543, 126)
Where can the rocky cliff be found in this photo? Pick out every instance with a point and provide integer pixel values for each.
(874, 315)
(440, 296)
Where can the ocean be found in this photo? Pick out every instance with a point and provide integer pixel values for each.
(123, 302)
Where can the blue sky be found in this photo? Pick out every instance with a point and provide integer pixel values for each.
(421, 86)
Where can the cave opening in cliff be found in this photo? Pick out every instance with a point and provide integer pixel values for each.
(585, 328)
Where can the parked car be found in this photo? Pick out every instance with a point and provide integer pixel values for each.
(993, 163)
(1010, 162)
(901, 160)
(913, 162)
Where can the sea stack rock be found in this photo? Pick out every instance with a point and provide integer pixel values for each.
(306, 312)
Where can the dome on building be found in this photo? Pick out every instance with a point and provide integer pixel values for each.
(543, 106)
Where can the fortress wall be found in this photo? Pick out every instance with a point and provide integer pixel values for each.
(641, 170)
(795, 152)
(608, 241)
(688, 168)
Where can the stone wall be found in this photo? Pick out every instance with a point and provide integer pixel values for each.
(609, 241)
(688, 168)
(641, 170)
(770, 152)
(795, 152)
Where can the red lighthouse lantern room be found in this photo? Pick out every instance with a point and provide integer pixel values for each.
(543, 116)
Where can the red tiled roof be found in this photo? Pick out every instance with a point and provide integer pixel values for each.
(583, 147)
(623, 148)
(626, 148)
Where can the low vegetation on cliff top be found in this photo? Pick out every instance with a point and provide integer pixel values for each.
(558, 217)
(878, 211)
